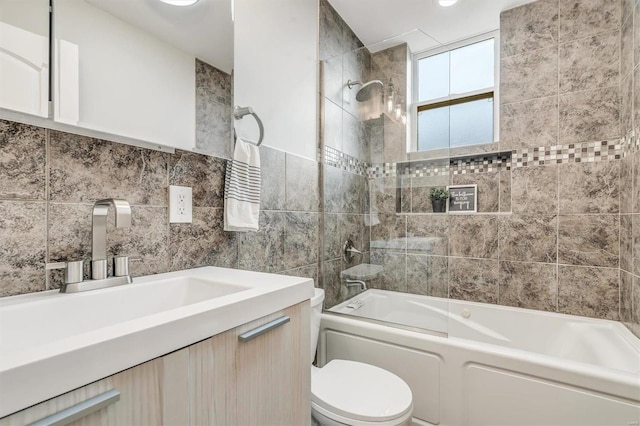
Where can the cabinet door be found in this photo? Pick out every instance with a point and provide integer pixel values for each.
(153, 393)
(263, 381)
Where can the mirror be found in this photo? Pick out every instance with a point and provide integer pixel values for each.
(140, 72)
(24, 56)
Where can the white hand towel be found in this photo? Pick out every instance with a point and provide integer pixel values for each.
(242, 188)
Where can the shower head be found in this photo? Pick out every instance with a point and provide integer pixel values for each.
(364, 94)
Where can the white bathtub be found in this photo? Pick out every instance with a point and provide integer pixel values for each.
(498, 365)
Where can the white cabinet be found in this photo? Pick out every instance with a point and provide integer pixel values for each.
(219, 381)
(112, 77)
(24, 56)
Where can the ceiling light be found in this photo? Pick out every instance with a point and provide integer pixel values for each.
(179, 2)
(444, 3)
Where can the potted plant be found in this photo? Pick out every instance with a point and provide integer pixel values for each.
(439, 198)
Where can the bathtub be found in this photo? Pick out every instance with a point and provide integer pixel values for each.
(478, 364)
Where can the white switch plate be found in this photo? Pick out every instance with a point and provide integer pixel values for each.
(180, 204)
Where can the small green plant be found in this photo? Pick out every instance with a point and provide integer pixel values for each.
(436, 194)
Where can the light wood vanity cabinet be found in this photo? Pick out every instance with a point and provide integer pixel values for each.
(219, 381)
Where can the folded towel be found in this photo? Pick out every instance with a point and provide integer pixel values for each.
(242, 188)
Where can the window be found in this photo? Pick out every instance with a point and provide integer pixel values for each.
(455, 89)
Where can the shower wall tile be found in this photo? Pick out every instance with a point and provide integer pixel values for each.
(538, 68)
(428, 275)
(203, 243)
(475, 280)
(331, 28)
(390, 232)
(636, 182)
(272, 188)
(529, 285)
(355, 193)
(590, 116)
(384, 194)
(588, 291)
(205, 176)
(590, 63)
(488, 189)
(626, 185)
(626, 104)
(530, 238)
(22, 161)
(394, 273)
(590, 187)
(353, 137)
(636, 86)
(432, 228)
(534, 190)
(213, 111)
(626, 242)
(636, 243)
(626, 296)
(83, 169)
(301, 184)
(334, 190)
(626, 48)
(332, 81)
(589, 240)
(582, 18)
(352, 227)
(530, 27)
(506, 189)
(636, 39)
(473, 236)
(301, 239)
(529, 124)
(331, 236)
(263, 250)
(332, 125)
(23, 253)
(334, 290)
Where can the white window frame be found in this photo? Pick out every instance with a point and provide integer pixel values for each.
(413, 140)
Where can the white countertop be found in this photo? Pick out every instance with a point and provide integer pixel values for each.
(52, 343)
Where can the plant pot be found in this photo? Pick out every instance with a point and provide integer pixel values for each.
(439, 206)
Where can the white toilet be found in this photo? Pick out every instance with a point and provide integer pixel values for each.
(353, 393)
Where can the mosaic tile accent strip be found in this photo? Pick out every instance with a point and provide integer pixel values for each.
(587, 152)
(339, 159)
(482, 164)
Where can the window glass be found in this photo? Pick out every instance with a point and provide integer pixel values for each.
(433, 128)
(472, 67)
(471, 123)
(433, 80)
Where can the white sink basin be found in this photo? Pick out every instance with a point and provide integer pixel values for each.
(51, 343)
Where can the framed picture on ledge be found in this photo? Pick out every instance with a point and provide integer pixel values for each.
(462, 198)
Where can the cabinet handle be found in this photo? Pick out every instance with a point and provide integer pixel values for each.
(80, 410)
(252, 334)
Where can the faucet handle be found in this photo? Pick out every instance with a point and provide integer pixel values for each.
(73, 270)
(121, 265)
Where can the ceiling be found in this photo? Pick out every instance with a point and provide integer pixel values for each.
(204, 29)
(423, 24)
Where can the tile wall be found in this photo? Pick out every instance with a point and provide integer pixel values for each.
(49, 181)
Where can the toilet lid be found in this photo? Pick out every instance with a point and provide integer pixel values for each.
(360, 391)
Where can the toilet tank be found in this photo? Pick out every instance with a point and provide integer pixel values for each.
(316, 311)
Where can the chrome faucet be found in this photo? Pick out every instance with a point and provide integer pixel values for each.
(73, 270)
(99, 232)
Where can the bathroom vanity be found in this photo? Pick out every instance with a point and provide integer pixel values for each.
(254, 372)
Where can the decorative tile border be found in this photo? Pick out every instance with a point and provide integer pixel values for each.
(587, 152)
(339, 159)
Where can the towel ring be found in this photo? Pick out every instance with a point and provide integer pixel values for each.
(239, 113)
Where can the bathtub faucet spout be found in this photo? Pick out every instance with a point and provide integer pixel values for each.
(359, 283)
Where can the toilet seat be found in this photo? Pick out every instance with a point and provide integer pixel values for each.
(355, 393)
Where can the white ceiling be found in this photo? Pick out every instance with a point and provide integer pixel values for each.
(424, 24)
(204, 29)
